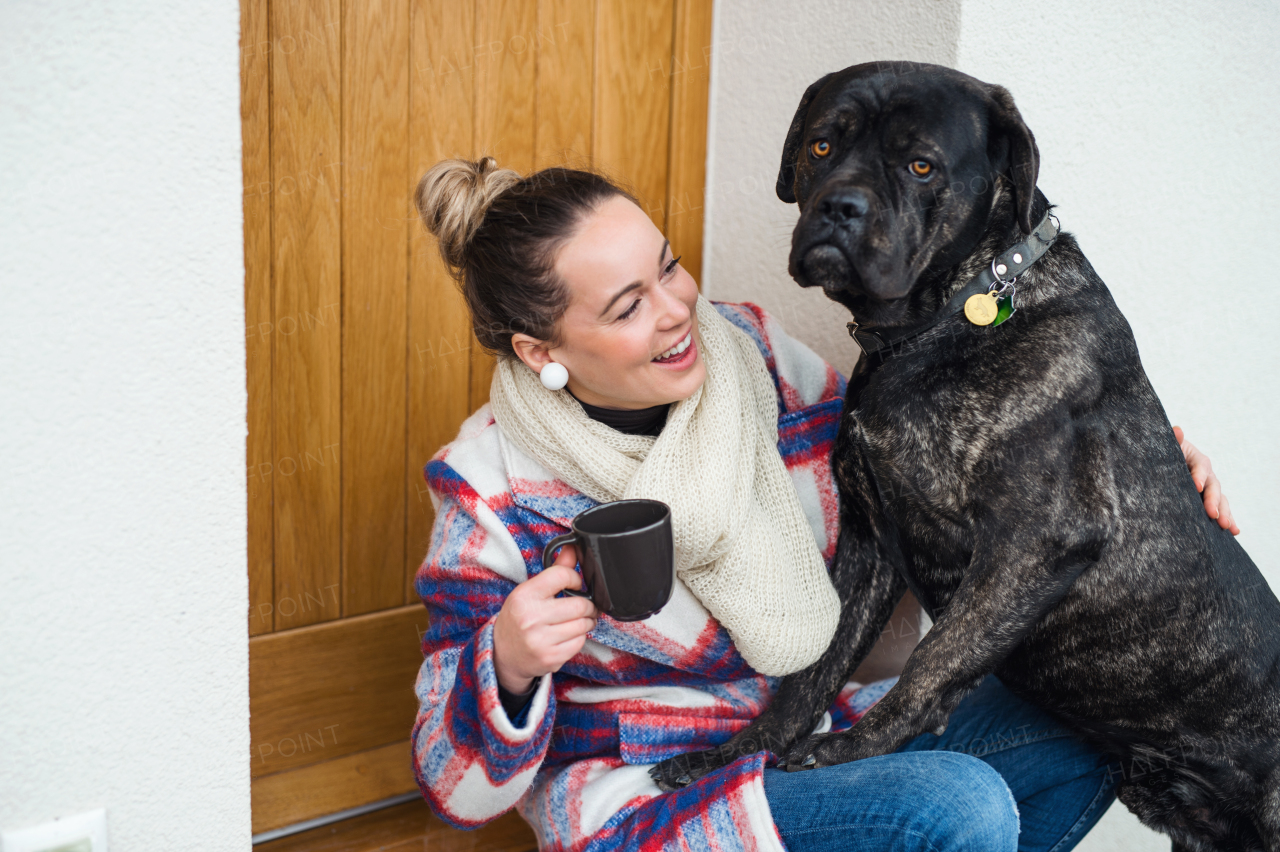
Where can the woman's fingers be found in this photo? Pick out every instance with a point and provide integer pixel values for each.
(558, 643)
(536, 631)
(1212, 491)
(1197, 462)
(567, 556)
(1215, 503)
(566, 631)
(1225, 518)
(567, 650)
(556, 579)
(1206, 482)
(560, 610)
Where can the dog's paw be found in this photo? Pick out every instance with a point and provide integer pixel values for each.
(819, 750)
(676, 773)
(804, 754)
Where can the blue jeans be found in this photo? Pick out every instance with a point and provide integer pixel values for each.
(954, 792)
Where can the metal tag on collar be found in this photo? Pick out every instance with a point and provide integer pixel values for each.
(1007, 307)
(985, 308)
(981, 308)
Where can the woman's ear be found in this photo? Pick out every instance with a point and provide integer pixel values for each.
(532, 351)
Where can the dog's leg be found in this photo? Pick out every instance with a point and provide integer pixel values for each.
(1030, 545)
(1159, 809)
(869, 598)
(1268, 816)
(866, 574)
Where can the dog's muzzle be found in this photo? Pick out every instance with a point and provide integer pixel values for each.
(837, 219)
(826, 266)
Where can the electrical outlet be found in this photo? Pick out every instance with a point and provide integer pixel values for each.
(80, 833)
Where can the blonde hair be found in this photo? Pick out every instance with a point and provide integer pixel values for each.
(453, 197)
(499, 233)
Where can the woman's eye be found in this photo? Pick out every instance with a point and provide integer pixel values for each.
(820, 148)
(629, 312)
(921, 168)
(671, 267)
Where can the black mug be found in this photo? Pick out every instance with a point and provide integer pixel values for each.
(627, 557)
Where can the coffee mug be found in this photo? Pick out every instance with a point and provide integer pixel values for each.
(627, 557)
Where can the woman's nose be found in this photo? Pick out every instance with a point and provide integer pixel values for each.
(673, 310)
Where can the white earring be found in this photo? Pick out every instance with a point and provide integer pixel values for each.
(554, 376)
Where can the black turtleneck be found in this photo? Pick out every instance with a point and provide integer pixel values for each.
(632, 421)
(643, 421)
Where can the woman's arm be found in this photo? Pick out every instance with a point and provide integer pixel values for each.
(471, 762)
(1215, 502)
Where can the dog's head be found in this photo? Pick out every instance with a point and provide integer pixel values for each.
(895, 168)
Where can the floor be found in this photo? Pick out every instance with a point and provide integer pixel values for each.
(407, 828)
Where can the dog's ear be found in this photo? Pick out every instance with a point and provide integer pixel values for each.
(787, 173)
(1013, 151)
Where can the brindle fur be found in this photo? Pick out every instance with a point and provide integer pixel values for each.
(1023, 480)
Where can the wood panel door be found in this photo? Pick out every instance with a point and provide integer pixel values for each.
(361, 363)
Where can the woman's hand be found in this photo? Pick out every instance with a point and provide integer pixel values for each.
(536, 632)
(1215, 502)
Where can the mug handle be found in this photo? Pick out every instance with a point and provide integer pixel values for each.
(549, 556)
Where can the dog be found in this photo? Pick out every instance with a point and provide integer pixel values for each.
(1019, 476)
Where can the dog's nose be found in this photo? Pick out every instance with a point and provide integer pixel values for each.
(842, 206)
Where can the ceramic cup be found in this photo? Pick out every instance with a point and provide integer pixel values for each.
(627, 557)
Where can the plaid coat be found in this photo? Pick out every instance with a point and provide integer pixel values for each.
(576, 765)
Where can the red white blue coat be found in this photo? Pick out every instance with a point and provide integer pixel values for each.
(637, 693)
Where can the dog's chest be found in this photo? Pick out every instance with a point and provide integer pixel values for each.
(919, 451)
(930, 427)
(919, 471)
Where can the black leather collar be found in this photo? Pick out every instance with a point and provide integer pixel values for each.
(886, 344)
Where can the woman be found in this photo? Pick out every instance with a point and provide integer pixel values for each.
(615, 379)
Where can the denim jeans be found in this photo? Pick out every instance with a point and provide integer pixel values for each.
(954, 792)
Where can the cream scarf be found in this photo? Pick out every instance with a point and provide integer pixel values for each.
(743, 545)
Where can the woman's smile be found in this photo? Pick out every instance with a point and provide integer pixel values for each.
(681, 356)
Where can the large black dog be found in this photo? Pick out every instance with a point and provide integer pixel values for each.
(1019, 476)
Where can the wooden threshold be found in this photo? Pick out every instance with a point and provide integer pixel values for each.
(410, 827)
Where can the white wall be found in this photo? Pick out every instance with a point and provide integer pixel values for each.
(123, 590)
(1159, 128)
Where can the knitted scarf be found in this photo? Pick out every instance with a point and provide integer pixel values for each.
(742, 543)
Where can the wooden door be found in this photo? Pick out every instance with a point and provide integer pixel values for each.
(361, 361)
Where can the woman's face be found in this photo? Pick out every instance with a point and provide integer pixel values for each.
(631, 310)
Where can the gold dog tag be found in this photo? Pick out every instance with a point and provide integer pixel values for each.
(981, 308)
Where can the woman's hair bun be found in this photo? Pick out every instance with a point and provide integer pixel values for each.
(452, 198)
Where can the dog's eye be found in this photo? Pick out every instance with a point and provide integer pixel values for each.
(820, 148)
(921, 168)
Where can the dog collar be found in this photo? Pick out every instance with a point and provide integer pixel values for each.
(995, 284)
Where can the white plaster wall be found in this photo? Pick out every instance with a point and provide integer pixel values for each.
(1159, 126)
(123, 590)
